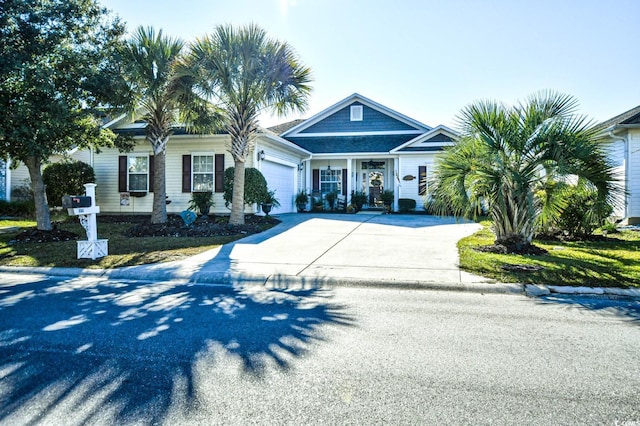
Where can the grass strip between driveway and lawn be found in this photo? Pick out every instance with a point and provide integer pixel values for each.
(613, 261)
(123, 250)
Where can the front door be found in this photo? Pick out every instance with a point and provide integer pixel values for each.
(376, 185)
(373, 181)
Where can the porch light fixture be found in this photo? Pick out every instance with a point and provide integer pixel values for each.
(328, 165)
(300, 166)
(261, 155)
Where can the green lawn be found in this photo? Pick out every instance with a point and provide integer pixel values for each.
(123, 251)
(611, 263)
(20, 223)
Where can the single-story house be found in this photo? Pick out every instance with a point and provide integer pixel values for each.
(621, 134)
(354, 145)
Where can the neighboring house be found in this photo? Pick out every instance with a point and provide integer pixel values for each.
(18, 177)
(621, 134)
(5, 181)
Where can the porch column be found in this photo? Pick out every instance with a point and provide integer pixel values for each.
(397, 186)
(307, 177)
(350, 177)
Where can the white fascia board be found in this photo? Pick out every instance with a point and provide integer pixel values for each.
(379, 133)
(438, 129)
(355, 155)
(417, 153)
(347, 101)
(277, 139)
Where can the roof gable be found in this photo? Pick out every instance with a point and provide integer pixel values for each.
(376, 120)
(434, 140)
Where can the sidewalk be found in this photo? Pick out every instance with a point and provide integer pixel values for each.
(311, 250)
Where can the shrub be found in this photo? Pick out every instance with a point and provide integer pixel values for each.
(609, 228)
(255, 186)
(201, 202)
(582, 215)
(22, 192)
(331, 199)
(17, 208)
(358, 199)
(66, 178)
(406, 204)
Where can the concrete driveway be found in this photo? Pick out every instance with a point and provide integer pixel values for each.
(334, 247)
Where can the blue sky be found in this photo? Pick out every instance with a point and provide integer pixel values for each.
(428, 59)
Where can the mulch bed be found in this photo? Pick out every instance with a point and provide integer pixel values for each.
(522, 268)
(203, 227)
(503, 249)
(142, 227)
(37, 236)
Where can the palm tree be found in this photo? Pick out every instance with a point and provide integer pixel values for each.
(244, 73)
(511, 162)
(160, 97)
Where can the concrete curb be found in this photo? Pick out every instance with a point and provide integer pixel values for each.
(268, 281)
(301, 282)
(544, 290)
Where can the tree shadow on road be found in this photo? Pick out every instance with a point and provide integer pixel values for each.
(96, 351)
(620, 307)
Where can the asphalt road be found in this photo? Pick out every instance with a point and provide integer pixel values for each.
(90, 351)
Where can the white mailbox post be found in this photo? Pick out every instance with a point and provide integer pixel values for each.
(93, 248)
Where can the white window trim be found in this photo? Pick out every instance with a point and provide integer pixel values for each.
(134, 155)
(213, 172)
(356, 112)
(338, 179)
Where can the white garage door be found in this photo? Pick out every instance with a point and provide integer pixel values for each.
(280, 178)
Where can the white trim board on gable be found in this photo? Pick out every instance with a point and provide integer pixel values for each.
(423, 140)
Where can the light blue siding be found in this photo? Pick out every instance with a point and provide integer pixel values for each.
(372, 121)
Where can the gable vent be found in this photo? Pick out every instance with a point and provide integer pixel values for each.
(356, 112)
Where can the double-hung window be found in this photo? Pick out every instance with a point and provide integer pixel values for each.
(202, 172)
(138, 173)
(330, 180)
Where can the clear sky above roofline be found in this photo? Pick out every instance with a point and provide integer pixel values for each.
(428, 59)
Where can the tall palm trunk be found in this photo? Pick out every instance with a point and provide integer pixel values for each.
(513, 218)
(159, 214)
(237, 201)
(43, 218)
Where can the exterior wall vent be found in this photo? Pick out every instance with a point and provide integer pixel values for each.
(356, 112)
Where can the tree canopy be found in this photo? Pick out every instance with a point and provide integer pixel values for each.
(57, 70)
(245, 72)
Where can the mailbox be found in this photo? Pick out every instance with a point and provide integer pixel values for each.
(73, 201)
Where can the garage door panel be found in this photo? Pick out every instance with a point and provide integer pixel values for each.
(280, 178)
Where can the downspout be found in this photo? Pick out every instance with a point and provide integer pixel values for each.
(613, 136)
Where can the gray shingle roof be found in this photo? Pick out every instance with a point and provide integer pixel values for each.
(281, 128)
(628, 117)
